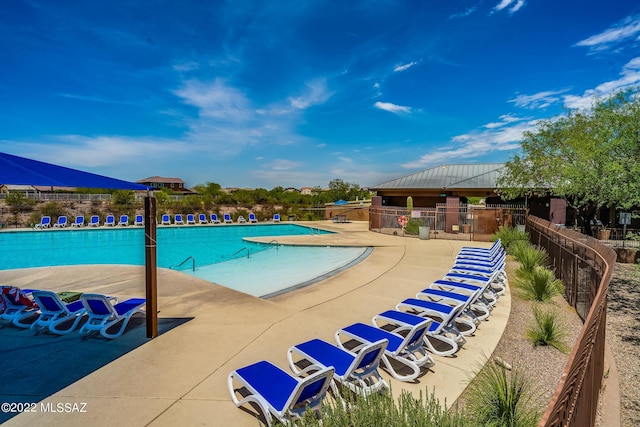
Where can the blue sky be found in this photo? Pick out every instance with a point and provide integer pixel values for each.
(297, 93)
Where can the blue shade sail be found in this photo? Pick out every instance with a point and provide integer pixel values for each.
(16, 170)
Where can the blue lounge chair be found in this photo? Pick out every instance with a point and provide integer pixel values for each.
(487, 297)
(358, 371)
(495, 248)
(139, 220)
(407, 349)
(45, 222)
(214, 219)
(103, 315)
(166, 219)
(445, 314)
(62, 222)
(202, 219)
(277, 393)
(191, 219)
(227, 218)
(496, 274)
(435, 337)
(491, 284)
(124, 220)
(18, 304)
(94, 221)
(110, 221)
(252, 217)
(276, 217)
(54, 312)
(178, 219)
(475, 310)
(78, 222)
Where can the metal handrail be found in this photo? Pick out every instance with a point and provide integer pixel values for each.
(243, 249)
(193, 263)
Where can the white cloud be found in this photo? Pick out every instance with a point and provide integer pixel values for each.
(392, 108)
(404, 67)
(538, 100)
(626, 29)
(512, 5)
(468, 11)
(630, 77)
(283, 164)
(316, 92)
(505, 119)
(505, 137)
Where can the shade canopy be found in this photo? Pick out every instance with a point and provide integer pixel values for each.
(16, 170)
(340, 202)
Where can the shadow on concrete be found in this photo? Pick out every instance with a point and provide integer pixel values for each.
(37, 366)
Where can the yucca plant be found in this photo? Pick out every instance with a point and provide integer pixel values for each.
(501, 397)
(547, 329)
(529, 258)
(508, 236)
(539, 285)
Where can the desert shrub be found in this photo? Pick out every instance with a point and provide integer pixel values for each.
(501, 397)
(380, 409)
(508, 236)
(539, 285)
(529, 258)
(547, 329)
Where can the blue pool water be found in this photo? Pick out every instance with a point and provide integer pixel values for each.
(219, 253)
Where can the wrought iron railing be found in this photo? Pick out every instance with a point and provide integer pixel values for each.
(585, 267)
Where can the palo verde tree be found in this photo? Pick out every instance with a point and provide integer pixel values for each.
(591, 158)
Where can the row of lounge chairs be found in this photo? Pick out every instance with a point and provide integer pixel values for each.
(437, 321)
(45, 311)
(110, 220)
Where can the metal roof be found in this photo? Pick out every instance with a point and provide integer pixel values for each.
(475, 175)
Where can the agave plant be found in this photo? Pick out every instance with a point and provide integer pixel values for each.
(539, 285)
(547, 330)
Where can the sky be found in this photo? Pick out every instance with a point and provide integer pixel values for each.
(259, 94)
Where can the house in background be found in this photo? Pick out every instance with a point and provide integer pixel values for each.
(160, 182)
(27, 190)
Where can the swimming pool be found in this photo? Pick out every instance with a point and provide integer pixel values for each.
(218, 253)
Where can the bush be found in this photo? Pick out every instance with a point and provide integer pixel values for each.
(509, 235)
(547, 330)
(380, 409)
(498, 397)
(539, 285)
(529, 257)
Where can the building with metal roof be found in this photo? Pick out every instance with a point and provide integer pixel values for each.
(443, 184)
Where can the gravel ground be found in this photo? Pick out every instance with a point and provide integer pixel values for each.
(547, 363)
(623, 335)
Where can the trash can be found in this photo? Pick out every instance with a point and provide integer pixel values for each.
(424, 232)
(292, 217)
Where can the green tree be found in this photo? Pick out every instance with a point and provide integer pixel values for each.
(592, 158)
(18, 202)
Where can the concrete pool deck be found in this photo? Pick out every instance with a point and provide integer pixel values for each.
(180, 377)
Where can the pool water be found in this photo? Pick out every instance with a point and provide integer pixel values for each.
(218, 253)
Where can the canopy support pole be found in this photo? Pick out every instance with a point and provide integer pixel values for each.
(151, 270)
